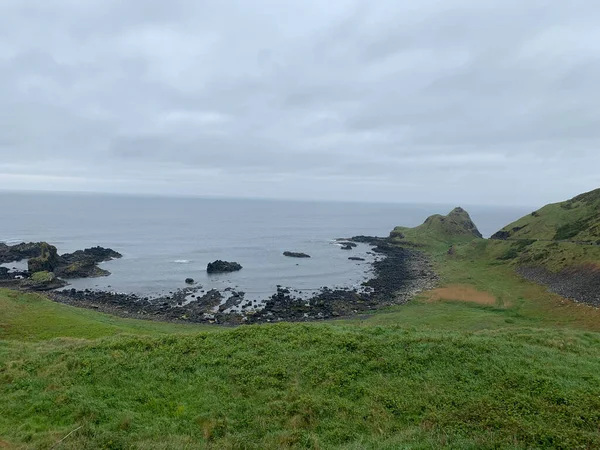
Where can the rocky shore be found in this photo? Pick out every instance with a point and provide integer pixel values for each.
(399, 274)
(581, 283)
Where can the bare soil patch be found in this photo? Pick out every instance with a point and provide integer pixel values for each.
(460, 293)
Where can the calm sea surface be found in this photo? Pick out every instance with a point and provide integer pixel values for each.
(165, 240)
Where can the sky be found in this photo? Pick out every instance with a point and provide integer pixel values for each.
(434, 101)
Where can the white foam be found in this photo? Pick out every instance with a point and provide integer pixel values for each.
(181, 261)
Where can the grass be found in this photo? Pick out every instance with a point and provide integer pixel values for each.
(307, 386)
(519, 371)
(576, 219)
(30, 317)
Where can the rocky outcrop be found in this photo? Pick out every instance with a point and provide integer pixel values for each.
(42, 281)
(501, 235)
(94, 254)
(45, 267)
(81, 269)
(296, 255)
(84, 263)
(223, 267)
(19, 252)
(356, 258)
(47, 261)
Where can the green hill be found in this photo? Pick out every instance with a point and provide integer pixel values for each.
(577, 219)
(456, 227)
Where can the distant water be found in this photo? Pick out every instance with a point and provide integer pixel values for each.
(165, 240)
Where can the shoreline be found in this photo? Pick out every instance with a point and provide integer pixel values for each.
(398, 276)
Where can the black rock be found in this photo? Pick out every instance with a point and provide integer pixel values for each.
(223, 266)
(356, 258)
(296, 255)
(189, 281)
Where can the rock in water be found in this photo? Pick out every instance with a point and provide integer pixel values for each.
(95, 254)
(189, 281)
(296, 255)
(356, 258)
(84, 263)
(223, 266)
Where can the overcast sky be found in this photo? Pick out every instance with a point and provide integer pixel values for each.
(443, 101)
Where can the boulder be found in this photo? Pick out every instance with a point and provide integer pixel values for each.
(189, 281)
(223, 266)
(296, 255)
(356, 258)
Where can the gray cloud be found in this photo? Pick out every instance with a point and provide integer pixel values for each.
(438, 101)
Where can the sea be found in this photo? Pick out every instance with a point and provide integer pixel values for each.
(165, 240)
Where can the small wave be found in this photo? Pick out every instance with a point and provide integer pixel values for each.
(182, 261)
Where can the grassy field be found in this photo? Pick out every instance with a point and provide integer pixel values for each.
(487, 361)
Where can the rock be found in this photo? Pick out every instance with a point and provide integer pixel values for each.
(296, 255)
(347, 247)
(47, 261)
(43, 257)
(223, 266)
(356, 258)
(42, 281)
(19, 252)
(84, 263)
(189, 281)
(81, 269)
(348, 244)
(501, 235)
(94, 254)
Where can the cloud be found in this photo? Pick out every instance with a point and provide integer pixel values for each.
(456, 101)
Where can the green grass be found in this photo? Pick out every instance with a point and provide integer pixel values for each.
(30, 317)
(576, 219)
(307, 386)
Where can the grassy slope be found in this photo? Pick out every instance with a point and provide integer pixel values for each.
(29, 317)
(576, 219)
(425, 375)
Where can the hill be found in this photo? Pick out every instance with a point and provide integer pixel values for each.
(577, 220)
(455, 227)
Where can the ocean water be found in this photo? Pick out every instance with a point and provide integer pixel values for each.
(165, 240)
